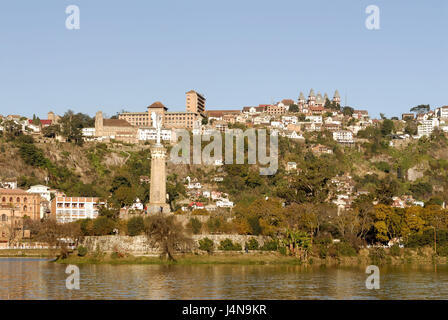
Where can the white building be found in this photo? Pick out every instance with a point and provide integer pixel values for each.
(343, 136)
(289, 120)
(88, 132)
(442, 112)
(224, 203)
(41, 190)
(277, 124)
(146, 134)
(427, 127)
(69, 209)
(315, 119)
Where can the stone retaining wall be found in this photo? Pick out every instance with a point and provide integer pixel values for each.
(141, 245)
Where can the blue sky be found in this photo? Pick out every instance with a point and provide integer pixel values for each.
(128, 54)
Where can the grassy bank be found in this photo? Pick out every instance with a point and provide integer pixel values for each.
(364, 257)
(37, 253)
(186, 259)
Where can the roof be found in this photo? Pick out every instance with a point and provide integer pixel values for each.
(12, 191)
(42, 122)
(158, 104)
(220, 113)
(116, 123)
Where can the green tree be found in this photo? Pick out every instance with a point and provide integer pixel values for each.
(135, 226)
(167, 233)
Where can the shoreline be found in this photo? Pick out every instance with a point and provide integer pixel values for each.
(27, 253)
(411, 257)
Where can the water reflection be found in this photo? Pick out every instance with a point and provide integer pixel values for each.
(24, 278)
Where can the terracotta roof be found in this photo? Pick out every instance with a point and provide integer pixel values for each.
(158, 104)
(116, 123)
(220, 113)
(42, 122)
(13, 191)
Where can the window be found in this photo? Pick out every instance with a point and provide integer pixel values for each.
(18, 200)
(3, 199)
(10, 199)
(4, 217)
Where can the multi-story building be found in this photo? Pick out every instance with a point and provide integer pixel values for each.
(11, 226)
(195, 102)
(442, 112)
(150, 133)
(427, 127)
(117, 129)
(24, 203)
(69, 209)
(183, 119)
(275, 110)
(343, 136)
(15, 205)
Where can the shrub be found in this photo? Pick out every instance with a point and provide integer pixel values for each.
(254, 224)
(323, 251)
(86, 226)
(103, 226)
(196, 225)
(135, 226)
(214, 224)
(228, 245)
(442, 251)
(377, 255)
(395, 250)
(82, 251)
(345, 249)
(207, 245)
(253, 244)
(270, 246)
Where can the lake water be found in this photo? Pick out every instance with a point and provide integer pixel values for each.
(29, 278)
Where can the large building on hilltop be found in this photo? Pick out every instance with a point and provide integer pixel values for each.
(195, 110)
(315, 100)
(117, 129)
(195, 102)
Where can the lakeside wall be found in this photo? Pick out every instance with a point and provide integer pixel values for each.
(141, 245)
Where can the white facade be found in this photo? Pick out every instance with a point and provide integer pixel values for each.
(289, 120)
(343, 136)
(145, 134)
(315, 119)
(442, 112)
(427, 127)
(224, 204)
(41, 190)
(88, 132)
(69, 209)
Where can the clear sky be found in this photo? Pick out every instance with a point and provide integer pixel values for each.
(128, 54)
